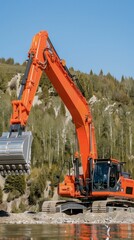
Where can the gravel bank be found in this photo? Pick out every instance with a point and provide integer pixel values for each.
(62, 218)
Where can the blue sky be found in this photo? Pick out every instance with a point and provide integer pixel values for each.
(88, 34)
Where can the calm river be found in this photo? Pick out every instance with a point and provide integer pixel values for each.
(66, 231)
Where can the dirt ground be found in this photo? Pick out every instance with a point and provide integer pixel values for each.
(61, 218)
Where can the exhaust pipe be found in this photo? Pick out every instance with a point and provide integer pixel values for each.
(15, 152)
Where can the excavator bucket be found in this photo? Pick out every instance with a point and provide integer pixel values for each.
(15, 153)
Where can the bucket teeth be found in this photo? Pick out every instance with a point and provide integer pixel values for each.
(5, 172)
(15, 170)
(20, 166)
(9, 172)
(7, 167)
(13, 167)
(1, 167)
(20, 172)
(27, 166)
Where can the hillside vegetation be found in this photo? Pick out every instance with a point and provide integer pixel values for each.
(112, 106)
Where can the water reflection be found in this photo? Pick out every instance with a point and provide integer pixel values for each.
(66, 231)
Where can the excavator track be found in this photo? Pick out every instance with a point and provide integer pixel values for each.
(49, 206)
(110, 205)
(99, 206)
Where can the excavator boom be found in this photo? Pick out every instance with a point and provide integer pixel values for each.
(15, 146)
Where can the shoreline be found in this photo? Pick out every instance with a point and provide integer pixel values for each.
(119, 217)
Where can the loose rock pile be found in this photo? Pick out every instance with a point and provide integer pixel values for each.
(62, 218)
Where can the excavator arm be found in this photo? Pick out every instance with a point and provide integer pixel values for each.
(43, 57)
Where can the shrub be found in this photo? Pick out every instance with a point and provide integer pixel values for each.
(38, 178)
(17, 183)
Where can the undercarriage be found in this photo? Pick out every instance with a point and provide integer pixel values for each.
(76, 206)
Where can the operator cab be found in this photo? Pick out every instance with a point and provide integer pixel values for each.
(105, 175)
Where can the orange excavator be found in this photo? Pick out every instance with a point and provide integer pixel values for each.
(101, 184)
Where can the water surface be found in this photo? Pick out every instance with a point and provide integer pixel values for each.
(66, 231)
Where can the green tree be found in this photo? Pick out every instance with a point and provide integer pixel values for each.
(101, 73)
(2, 60)
(10, 61)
